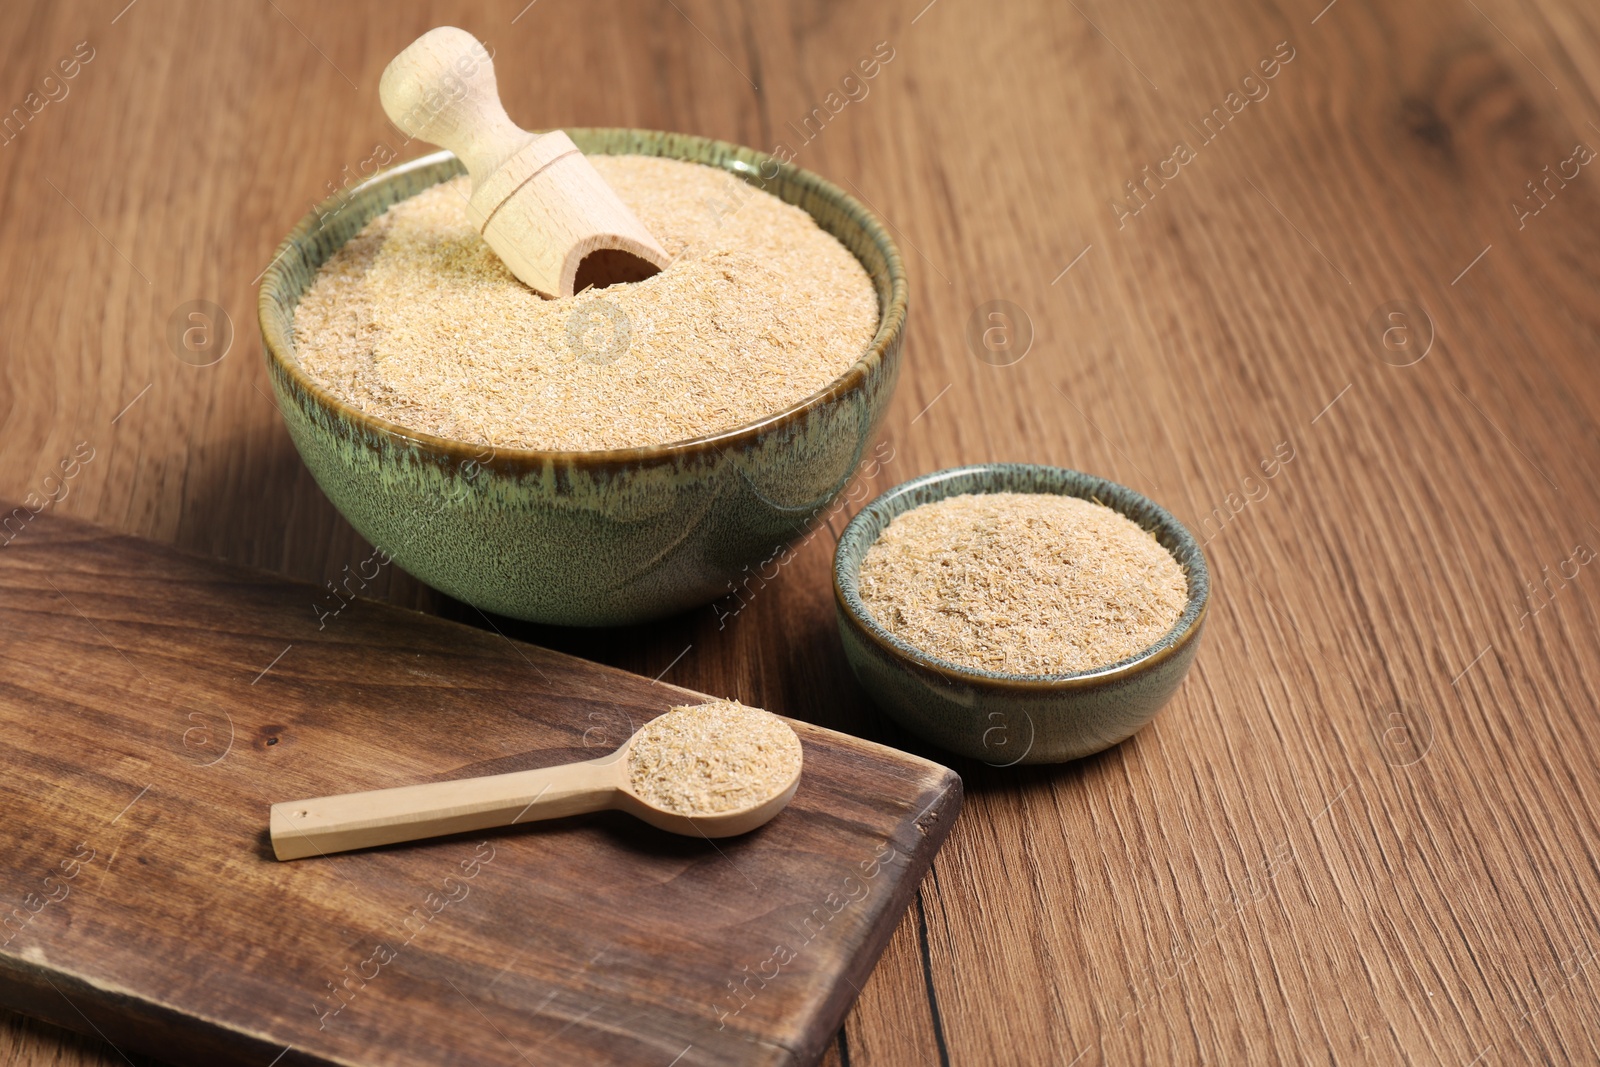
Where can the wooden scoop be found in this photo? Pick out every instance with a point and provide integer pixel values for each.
(408, 813)
(536, 199)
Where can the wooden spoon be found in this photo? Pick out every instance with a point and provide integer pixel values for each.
(408, 813)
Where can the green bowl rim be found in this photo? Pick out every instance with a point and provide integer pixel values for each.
(891, 319)
(1181, 634)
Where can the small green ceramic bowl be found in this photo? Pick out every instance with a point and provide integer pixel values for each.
(1006, 719)
(586, 538)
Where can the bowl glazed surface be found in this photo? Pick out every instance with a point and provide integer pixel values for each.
(586, 538)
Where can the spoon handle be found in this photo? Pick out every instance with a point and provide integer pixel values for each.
(301, 828)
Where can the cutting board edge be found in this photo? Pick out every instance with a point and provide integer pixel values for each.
(865, 955)
(129, 1020)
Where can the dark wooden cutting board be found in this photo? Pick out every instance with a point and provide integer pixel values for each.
(152, 706)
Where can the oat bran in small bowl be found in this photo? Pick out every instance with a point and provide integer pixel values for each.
(1017, 613)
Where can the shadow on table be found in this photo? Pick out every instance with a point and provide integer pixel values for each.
(259, 506)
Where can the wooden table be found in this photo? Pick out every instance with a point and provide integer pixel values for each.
(1366, 828)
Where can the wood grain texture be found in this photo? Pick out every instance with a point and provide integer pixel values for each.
(1365, 828)
(145, 747)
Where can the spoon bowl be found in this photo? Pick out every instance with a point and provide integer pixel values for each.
(730, 823)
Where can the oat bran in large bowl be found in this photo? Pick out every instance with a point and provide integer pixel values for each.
(578, 517)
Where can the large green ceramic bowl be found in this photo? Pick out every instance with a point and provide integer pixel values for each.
(586, 538)
(1005, 719)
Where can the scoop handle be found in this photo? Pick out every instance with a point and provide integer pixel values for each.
(442, 89)
(317, 827)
